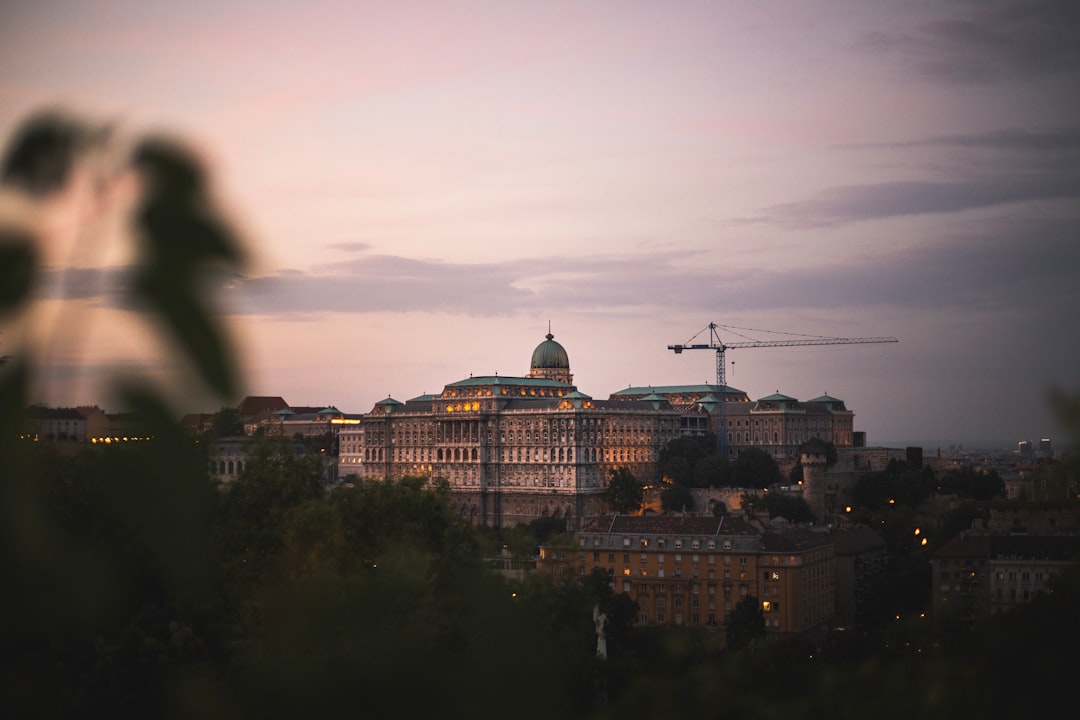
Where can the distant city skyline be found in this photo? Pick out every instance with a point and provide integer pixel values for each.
(423, 187)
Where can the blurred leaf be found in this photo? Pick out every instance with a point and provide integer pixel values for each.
(176, 214)
(17, 260)
(1066, 406)
(40, 157)
(184, 240)
(195, 328)
(14, 381)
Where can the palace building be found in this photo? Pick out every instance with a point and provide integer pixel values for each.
(777, 423)
(514, 449)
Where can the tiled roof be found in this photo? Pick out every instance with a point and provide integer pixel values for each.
(670, 524)
(965, 545)
(797, 540)
(1049, 547)
(45, 413)
(261, 404)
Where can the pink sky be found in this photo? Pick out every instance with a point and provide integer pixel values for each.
(424, 185)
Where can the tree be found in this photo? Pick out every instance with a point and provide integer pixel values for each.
(754, 468)
(679, 470)
(745, 624)
(680, 457)
(970, 482)
(711, 471)
(900, 482)
(676, 497)
(625, 492)
(792, 507)
(226, 422)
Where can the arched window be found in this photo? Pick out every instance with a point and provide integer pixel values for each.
(230, 467)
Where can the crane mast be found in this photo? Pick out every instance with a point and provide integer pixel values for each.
(715, 343)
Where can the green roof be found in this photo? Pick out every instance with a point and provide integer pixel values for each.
(389, 401)
(550, 354)
(483, 380)
(779, 397)
(577, 396)
(679, 389)
(826, 399)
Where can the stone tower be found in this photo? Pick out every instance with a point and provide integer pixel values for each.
(814, 455)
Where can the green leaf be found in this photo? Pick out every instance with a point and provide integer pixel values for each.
(194, 327)
(39, 158)
(17, 262)
(183, 242)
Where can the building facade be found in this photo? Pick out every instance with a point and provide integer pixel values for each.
(777, 423)
(692, 571)
(513, 449)
(977, 574)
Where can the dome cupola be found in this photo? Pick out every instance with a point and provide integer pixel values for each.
(549, 360)
(550, 355)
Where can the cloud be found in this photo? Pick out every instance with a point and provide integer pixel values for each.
(1061, 140)
(981, 43)
(988, 169)
(1022, 264)
(103, 285)
(853, 203)
(350, 247)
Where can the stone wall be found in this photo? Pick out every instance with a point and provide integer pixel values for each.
(508, 508)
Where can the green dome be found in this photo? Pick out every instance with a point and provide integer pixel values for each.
(550, 354)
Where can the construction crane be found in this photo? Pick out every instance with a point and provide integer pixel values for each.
(715, 343)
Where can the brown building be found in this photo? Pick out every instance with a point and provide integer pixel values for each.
(861, 556)
(691, 571)
(975, 575)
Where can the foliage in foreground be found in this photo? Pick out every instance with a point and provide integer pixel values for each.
(142, 591)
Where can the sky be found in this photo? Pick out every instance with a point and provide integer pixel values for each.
(422, 187)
